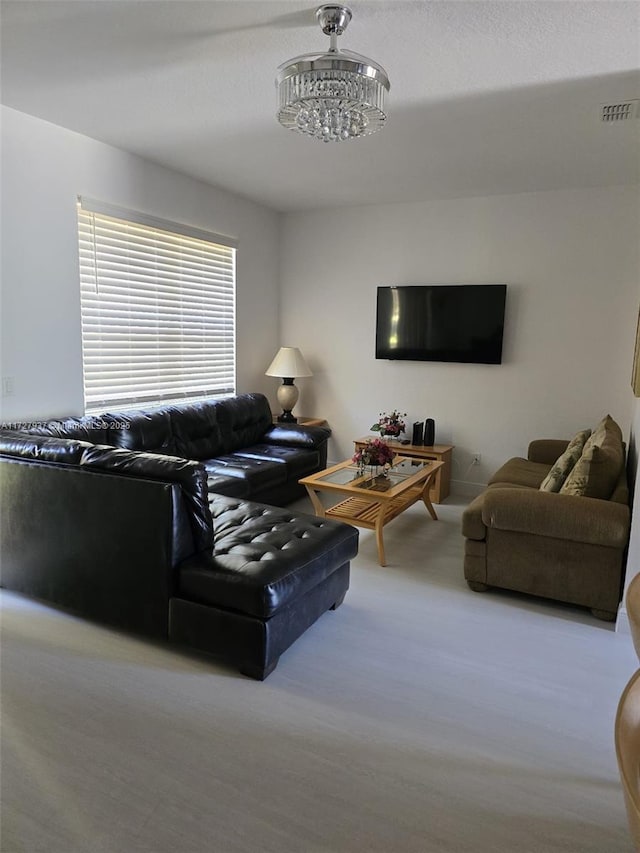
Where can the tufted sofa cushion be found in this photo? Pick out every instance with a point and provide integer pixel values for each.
(258, 474)
(264, 557)
(243, 419)
(196, 431)
(287, 434)
(231, 487)
(297, 462)
(148, 431)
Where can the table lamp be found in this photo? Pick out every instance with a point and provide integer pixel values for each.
(289, 364)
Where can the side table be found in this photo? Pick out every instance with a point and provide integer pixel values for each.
(306, 421)
(441, 483)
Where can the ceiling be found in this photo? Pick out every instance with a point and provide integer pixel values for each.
(486, 97)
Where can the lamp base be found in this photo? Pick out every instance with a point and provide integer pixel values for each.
(287, 395)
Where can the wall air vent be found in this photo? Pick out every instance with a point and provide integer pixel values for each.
(622, 111)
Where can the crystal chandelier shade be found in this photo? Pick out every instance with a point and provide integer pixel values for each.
(332, 96)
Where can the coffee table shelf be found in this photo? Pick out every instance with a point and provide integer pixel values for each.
(367, 512)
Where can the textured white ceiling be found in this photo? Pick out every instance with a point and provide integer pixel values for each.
(486, 97)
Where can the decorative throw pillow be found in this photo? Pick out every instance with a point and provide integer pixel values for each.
(606, 425)
(563, 465)
(597, 471)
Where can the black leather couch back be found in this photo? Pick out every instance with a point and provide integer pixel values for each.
(89, 428)
(148, 430)
(244, 420)
(43, 447)
(187, 474)
(157, 443)
(191, 430)
(196, 430)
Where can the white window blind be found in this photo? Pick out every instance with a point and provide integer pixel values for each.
(158, 310)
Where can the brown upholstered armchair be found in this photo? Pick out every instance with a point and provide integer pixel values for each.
(555, 544)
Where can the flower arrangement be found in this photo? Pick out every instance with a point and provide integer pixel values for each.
(374, 452)
(390, 424)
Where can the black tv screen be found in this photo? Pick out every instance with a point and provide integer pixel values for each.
(441, 322)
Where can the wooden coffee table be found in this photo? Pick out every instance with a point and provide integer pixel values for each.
(372, 502)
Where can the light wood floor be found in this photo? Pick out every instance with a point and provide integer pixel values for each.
(419, 717)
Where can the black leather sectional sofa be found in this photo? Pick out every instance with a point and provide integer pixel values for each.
(167, 522)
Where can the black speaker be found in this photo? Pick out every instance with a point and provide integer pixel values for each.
(429, 432)
(418, 428)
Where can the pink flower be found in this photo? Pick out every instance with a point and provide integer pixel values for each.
(392, 424)
(374, 452)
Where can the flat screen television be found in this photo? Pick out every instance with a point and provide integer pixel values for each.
(441, 322)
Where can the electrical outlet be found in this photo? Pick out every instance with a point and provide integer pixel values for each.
(476, 458)
(7, 386)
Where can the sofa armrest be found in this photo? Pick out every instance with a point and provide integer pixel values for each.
(92, 541)
(296, 435)
(189, 475)
(546, 450)
(578, 519)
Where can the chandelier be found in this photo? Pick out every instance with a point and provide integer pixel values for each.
(332, 96)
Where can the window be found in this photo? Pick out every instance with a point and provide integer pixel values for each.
(158, 310)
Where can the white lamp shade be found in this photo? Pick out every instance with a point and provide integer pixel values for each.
(289, 363)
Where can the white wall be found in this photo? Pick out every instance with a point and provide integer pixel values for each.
(44, 169)
(569, 259)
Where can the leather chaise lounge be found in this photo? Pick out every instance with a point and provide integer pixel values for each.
(147, 521)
